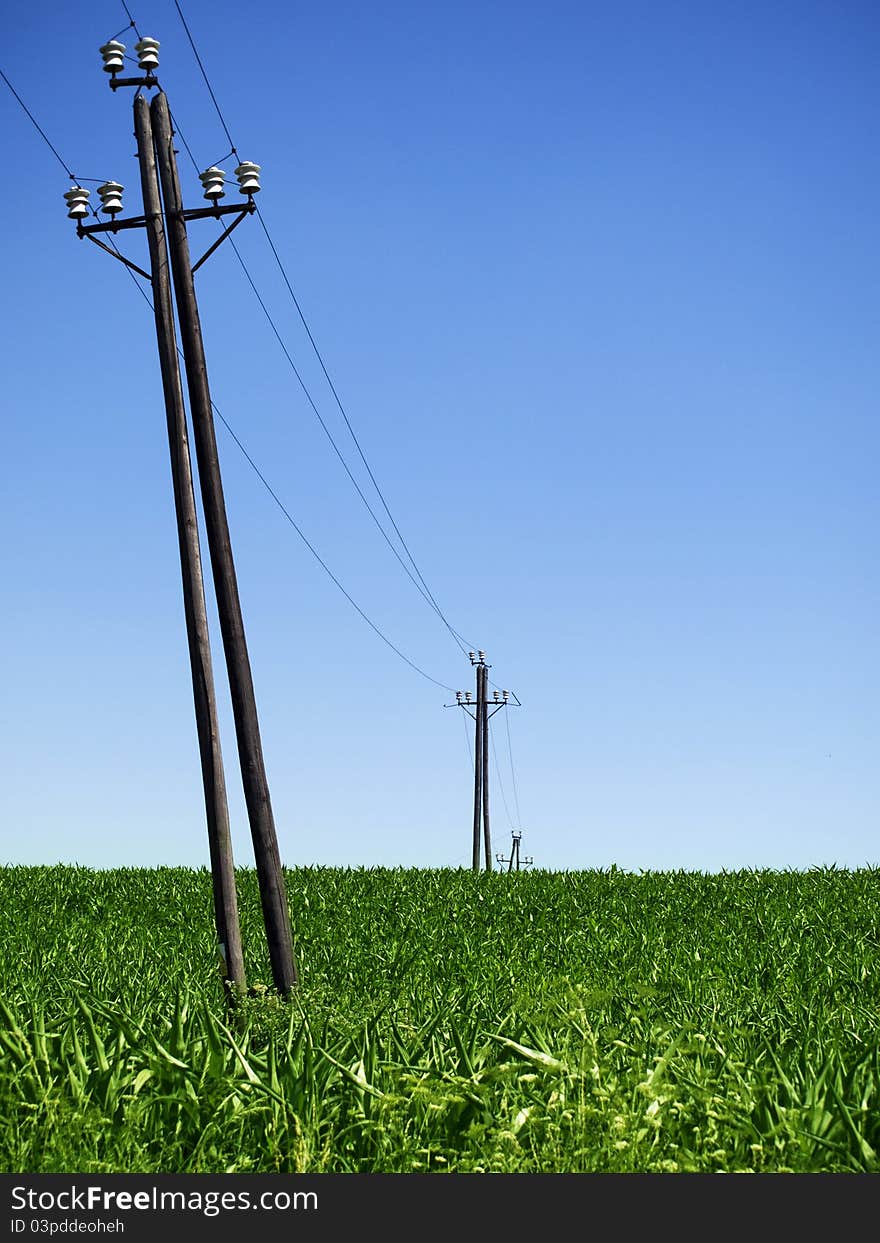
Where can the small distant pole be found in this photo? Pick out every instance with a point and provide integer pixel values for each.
(515, 861)
(478, 709)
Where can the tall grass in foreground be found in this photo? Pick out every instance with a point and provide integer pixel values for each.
(544, 1021)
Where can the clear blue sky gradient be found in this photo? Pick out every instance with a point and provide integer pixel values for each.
(599, 287)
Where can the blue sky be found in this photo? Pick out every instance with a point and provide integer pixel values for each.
(598, 286)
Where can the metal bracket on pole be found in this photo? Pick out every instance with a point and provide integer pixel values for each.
(223, 236)
(139, 222)
(116, 255)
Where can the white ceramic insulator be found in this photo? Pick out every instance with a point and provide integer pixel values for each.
(77, 199)
(148, 54)
(248, 175)
(212, 182)
(114, 56)
(111, 197)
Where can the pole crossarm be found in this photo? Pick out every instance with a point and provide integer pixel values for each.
(203, 213)
(495, 707)
(146, 221)
(148, 80)
(195, 213)
(122, 259)
(113, 226)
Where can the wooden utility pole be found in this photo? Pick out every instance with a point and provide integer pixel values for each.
(213, 781)
(256, 787)
(479, 765)
(483, 713)
(155, 148)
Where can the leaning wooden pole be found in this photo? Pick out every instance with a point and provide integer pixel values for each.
(244, 706)
(195, 611)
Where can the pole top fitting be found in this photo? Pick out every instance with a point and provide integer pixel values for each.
(148, 54)
(110, 194)
(113, 54)
(77, 199)
(248, 175)
(212, 183)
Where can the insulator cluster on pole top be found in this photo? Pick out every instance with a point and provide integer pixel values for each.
(247, 173)
(213, 179)
(113, 55)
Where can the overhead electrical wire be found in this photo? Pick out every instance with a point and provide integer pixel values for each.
(421, 584)
(425, 595)
(424, 590)
(241, 447)
(467, 738)
(36, 126)
(251, 461)
(512, 772)
(498, 776)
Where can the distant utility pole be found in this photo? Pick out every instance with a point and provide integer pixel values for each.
(155, 147)
(513, 863)
(480, 716)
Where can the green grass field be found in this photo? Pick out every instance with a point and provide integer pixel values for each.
(584, 1021)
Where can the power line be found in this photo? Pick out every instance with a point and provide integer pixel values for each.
(461, 643)
(204, 74)
(320, 560)
(253, 464)
(323, 424)
(37, 127)
(130, 18)
(241, 447)
(424, 590)
(513, 772)
(263, 480)
(467, 738)
(498, 775)
(274, 496)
